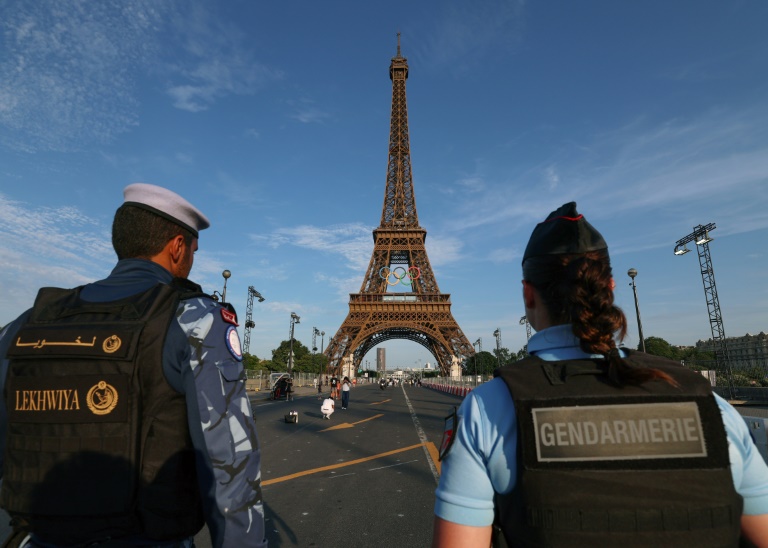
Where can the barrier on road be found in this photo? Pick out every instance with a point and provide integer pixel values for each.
(453, 390)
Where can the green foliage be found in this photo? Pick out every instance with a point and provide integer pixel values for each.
(690, 357)
(271, 366)
(506, 355)
(522, 353)
(482, 363)
(659, 347)
(251, 362)
(303, 359)
(747, 377)
(705, 361)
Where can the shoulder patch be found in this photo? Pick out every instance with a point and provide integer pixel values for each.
(233, 344)
(449, 434)
(229, 317)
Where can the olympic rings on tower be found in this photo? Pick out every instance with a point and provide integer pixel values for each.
(413, 273)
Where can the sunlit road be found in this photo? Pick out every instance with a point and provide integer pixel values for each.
(364, 478)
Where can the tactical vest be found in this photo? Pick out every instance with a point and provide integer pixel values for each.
(601, 465)
(98, 445)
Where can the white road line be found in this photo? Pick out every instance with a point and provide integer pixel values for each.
(392, 465)
(422, 437)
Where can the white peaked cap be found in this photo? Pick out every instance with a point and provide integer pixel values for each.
(167, 204)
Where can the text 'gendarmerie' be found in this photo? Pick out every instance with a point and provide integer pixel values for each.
(618, 432)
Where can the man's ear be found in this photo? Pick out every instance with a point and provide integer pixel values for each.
(529, 295)
(176, 248)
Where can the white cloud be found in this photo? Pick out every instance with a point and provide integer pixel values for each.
(217, 60)
(644, 171)
(310, 116)
(68, 70)
(551, 176)
(352, 241)
(47, 246)
(468, 30)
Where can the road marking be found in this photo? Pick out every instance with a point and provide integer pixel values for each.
(350, 425)
(435, 456)
(433, 463)
(380, 402)
(391, 465)
(336, 466)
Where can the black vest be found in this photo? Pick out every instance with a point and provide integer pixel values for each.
(601, 465)
(98, 445)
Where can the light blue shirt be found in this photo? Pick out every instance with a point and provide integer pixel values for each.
(483, 458)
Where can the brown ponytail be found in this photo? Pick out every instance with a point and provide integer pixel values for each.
(577, 289)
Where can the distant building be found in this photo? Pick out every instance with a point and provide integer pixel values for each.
(745, 352)
(381, 359)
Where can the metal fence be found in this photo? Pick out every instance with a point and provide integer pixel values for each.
(259, 379)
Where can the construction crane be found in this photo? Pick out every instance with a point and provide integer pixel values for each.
(249, 317)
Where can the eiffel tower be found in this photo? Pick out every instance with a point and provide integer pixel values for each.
(399, 297)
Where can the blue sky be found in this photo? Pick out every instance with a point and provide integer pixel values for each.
(273, 118)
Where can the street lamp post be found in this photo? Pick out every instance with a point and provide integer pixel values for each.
(497, 334)
(226, 274)
(315, 333)
(294, 320)
(632, 273)
(479, 344)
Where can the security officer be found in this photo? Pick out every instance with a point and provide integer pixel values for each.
(587, 444)
(125, 420)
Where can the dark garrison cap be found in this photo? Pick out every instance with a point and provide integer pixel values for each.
(167, 204)
(564, 231)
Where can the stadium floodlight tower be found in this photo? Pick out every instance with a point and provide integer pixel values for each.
(700, 236)
(497, 334)
(294, 320)
(249, 323)
(524, 321)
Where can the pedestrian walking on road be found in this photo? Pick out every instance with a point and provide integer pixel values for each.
(334, 387)
(289, 389)
(327, 408)
(154, 435)
(586, 444)
(345, 387)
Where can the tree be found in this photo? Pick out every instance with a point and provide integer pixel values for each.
(281, 353)
(251, 362)
(522, 353)
(505, 354)
(659, 347)
(482, 363)
(695, 359)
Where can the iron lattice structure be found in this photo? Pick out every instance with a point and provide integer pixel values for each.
(249, 323)
(700, 236)
(421, 314)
